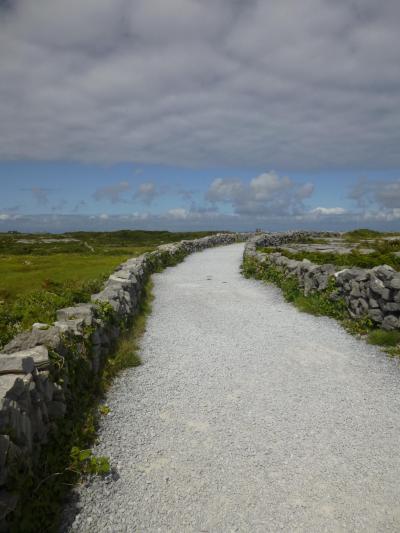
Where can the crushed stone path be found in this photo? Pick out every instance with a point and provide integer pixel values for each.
(246, 415)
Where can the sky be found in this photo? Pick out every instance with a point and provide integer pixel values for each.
(199, 114)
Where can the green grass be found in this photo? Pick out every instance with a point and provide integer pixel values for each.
(126, 354)
(318, 303)
(384, 338)
(38, 278)
(361, 234)
(21, 274)
(31, 290)
(367, 234)
(102, 243)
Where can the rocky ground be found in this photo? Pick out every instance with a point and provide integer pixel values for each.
(246, 415)
(339, 245)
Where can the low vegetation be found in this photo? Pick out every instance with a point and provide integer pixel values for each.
(68, 457)
(322, 304)
(383, 250)
(366, 234)
(384, 338)
(316, 303)
(37, 277)
(353, 259)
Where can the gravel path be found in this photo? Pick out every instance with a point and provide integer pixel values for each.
(248, 416)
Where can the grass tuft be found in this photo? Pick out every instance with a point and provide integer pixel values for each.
(381, 337)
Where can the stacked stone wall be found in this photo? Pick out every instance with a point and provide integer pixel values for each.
(373, 293)
(38, 367)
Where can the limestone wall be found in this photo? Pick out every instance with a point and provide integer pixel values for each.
(40, 369)
(367, 292)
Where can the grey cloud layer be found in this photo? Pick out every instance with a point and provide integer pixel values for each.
(279, 84)
(266, 194)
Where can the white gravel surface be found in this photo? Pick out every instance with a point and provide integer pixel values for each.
(246, 415)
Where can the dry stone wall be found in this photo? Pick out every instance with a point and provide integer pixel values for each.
(367, 292)
(39, 369)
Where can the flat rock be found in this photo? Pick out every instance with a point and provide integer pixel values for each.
(50, 337)
(16, 363)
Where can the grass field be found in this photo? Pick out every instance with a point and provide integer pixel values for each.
(385, 250)
(21, 274)
(40, 273)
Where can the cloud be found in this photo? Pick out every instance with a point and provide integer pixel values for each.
(225, 190)
(178, 213)
(147, 193)
(112, 193)
(328, 211)
(384, 194)
(182, 219)
(265, 194)
(292, 85)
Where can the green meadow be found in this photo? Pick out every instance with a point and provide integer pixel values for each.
(40, 273)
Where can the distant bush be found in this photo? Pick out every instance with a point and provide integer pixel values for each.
(362, 233)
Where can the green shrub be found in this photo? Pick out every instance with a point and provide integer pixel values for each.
(84, 462)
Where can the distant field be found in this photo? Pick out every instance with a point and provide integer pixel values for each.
(360, 248)
(20, 274)
(40, 273)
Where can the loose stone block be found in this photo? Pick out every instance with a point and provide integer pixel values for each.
(395, 282)
(84, 312)
(50, 337)
(390, 322)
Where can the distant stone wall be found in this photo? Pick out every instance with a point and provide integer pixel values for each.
(367, 292)
(38, 368)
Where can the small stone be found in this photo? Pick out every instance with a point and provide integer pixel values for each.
(85, 312)
(373, 303)
(390, 322)
(395, 282)
(377, 287)
(391, 307)
(40, 326)
(355, 289)
(376, 315)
